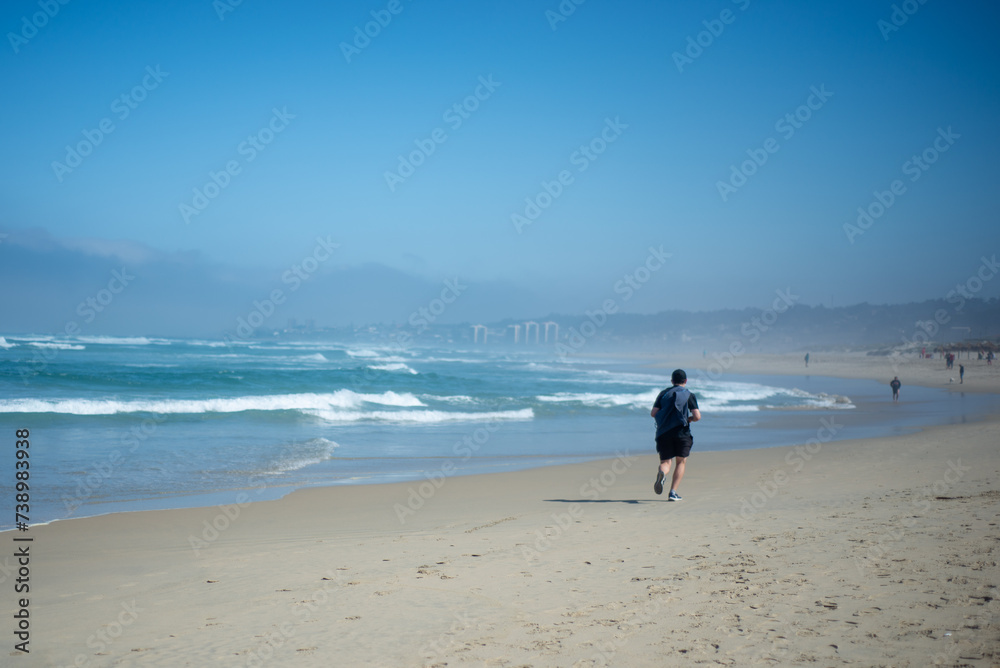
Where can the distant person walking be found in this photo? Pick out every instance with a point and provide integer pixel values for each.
(674, 410)
(807, 360)
(961, 374)
(895, 385)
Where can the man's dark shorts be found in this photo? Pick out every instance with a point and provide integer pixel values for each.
(675, 443)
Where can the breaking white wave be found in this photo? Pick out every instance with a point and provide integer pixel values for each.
(392, 366)
(461, 360)
(122, 340)
(602, 400)
(341, 399)
(726, 397)
(459, 400)
(625, 378)
(220, 344)
(56, 345)
(364, 352)
(420, 417)
(746, 393)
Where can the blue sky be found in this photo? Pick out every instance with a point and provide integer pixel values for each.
(555, 90)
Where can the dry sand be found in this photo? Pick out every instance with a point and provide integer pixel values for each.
(870, 552)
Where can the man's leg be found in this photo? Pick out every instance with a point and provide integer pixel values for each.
(661, 475)
(678, 472)
(665, 467)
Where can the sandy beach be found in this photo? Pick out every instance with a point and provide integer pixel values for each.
(866, 552)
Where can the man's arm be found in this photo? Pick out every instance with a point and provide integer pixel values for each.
(656, 405)
(695, 415)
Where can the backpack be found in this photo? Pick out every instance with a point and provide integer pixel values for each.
(673, 411)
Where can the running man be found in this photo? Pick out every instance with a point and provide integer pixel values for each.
(895, 385)
(674, 410)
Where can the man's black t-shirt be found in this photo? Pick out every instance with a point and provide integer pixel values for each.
(692, 404)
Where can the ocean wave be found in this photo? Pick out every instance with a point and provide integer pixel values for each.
(747, 397)
(730, 397)
(212, 356)
(364, 352)
(315, 450)
(821, 400)
(121, 340)
(602, 400)
(460, 399)
(218, 344)
(5, 344)
(56, 345)
(624, 378)
(707, 408)
(297, 346)
(150, 365)
(341, 399)
(458, 360)
(748, 394)
(535, 366)
(372, 356)
(420, 417)
(392, 366)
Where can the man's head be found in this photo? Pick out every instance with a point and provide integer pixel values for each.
(678, 377)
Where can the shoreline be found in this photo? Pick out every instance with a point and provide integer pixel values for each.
(853, 551)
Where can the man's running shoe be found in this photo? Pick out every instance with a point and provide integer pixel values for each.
(674, 496)
(658, 485)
